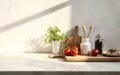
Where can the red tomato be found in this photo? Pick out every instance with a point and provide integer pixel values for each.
(74, 52)
(66, 51)
(74, 47)
(95, 52)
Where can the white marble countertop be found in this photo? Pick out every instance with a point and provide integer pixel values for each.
(41, 62)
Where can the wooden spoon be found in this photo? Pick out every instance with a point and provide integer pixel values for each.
(91, 27)
(84, 30)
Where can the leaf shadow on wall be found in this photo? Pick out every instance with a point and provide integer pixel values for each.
(37, 45)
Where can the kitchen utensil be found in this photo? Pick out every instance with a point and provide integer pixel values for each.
(84, 30)
(85, 58)
(91, 27)
(75, 39)
(56, 56)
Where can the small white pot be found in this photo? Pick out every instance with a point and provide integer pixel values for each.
(55, 47)
(85, 46)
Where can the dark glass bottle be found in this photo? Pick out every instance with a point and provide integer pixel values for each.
(98, 43)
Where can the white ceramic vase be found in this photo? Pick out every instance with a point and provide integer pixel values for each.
(55, 47)
(85, 46)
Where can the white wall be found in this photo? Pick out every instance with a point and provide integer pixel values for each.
(23, 23)
(104, 15)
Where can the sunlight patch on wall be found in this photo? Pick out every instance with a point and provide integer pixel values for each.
(28, 22)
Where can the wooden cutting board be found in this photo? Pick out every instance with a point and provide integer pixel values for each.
(84, 58)
(75, 39)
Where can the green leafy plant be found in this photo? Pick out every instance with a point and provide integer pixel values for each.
(53, 34)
